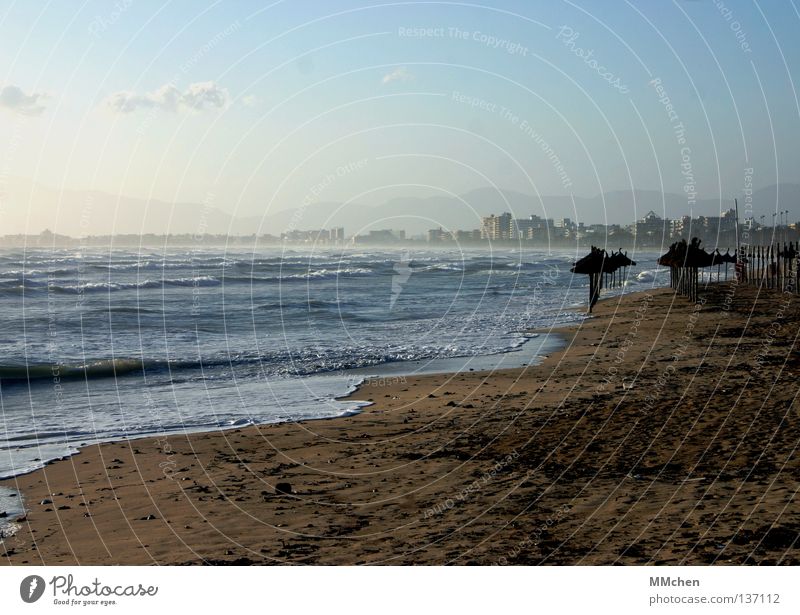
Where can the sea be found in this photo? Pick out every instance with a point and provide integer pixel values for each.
(100, 345)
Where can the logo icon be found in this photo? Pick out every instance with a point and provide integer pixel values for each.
(31, 588)
(402, 271)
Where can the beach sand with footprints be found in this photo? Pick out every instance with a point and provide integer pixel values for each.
(663, 433)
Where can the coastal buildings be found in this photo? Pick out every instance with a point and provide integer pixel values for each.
(651, 228)
(680, 227)
(565, 226)
(531, 227)
(496, 228)
(649, 231)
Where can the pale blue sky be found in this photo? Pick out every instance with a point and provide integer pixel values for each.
(292, 91)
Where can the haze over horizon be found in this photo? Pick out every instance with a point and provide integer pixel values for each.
(227, 112)
(66, 212)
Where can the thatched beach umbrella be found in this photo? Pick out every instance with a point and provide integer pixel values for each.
(684, 259)
(599, 263)
(617, 260)
(592, 265)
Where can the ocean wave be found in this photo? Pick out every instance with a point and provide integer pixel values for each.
(55, 371)
(15, 286)
(499, 272)
(647, 276)
(278, 263)
(304, 361)
(307, 305)
(319, 274)
(19, 286)
(203, 280)
(328, 273)
(24, 273)
(443, 267)
(137, 266)
(125, 309)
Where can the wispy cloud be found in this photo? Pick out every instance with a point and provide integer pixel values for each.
(398, 74)
(14, 99)
(198, 96)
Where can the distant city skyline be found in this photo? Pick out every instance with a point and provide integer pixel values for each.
(650, 231)
(67, 212)
(254, 110)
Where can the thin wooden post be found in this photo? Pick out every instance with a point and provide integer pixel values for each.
(797, 267)
(760, 259)
(773, 269)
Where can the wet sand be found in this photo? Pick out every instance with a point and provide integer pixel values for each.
(661, 434)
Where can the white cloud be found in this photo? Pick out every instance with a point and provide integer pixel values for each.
(250, 100)
(398, 74)
(198, 96)
(13, 98)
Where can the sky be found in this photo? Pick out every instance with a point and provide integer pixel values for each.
(255, 107)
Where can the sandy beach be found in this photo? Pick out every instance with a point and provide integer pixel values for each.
(663, 433)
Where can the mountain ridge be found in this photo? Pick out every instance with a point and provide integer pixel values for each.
(33, 208)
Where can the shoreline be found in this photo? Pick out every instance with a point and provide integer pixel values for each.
(380, 373)
(354, 379)
(472, 467)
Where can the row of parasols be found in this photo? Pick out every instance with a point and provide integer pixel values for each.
(683, 260)
(686, 259)
(603, 269)
(771, 266)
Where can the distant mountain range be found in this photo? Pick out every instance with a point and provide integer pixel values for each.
(26, 207)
